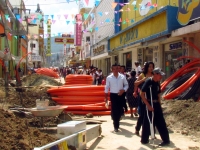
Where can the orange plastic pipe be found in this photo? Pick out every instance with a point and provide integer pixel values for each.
(192, 45)
(184, 86)
(178, 73)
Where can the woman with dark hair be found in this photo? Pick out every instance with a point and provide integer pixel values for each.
(132, 101)
(147, 72)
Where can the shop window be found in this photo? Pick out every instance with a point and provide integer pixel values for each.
(32, 45)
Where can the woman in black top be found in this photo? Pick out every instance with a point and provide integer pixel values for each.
(132, 101)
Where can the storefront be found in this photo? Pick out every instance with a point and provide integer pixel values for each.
(172, 51)
(141, 41)
(100, 57)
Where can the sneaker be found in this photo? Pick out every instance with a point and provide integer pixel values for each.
(116, 130)
(145, 142)
(136, 114)
(137, 133)
(164, 144)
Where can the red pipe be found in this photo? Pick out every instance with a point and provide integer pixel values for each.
(192, 45)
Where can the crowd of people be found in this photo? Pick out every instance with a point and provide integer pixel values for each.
(141, 89)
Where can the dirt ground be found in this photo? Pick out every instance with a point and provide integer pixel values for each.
(19, 132)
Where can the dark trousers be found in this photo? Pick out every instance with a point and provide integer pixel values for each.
(116, 108)
(142, 107)
(125, 107)
(159, 123)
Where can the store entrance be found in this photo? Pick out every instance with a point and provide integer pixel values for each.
(128, 61)
(171, 64)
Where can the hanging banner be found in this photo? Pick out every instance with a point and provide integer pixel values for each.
(78, 31)
(48, 51)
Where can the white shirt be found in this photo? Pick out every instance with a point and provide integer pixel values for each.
(138, 68)
(116, 84)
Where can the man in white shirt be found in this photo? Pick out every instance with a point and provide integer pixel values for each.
(117, 84)
(138, 68)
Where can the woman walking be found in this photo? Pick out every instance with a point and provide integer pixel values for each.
(147, 72)
(132, 101)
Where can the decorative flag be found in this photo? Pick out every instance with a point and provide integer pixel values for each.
(52, 16)
(100, 13)
(155, 5)
(142, 7)
(120, 20)
(124, 22)
(23, 36)
(121, 10)
(35, 36)
(53, 21)
(149, 4)
(68, 1)
(15, 36)
(85, 15)
(46, 17)
(76, 1)
(118, 25)
(58, 17)
(97, 29)
(91, 29)
(10, 34)
(9, 19)
(116, 12)
(79, 23)
(87, 2)
(74, 22)
(102, 23)
(41, 35)
(20, 20)
(128, 9)
(67, 22)
(34, 20)
(39, 16)
(134, 3)
(6, 16)
(114, 5)
(59, 34)
(93, 22)
(106, 13)
(17, 16)
(127, 20)
(33, 16)
(135, 8)
(72, 16)
(107, 20)
(92, 15)
(66, 16)
(151, 7)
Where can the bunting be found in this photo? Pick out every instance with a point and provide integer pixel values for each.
(87, 2)
(114, 5)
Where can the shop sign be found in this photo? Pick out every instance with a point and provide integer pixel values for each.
(188, 10)
(64, 40)
(126, 37)
(34, 58)
(145, 29)
(98, 49)
(175, 46)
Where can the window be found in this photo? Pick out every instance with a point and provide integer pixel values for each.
(32, 45)
(87, 39)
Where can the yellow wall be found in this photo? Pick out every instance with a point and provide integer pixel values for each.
(135, 15)
(150, 27)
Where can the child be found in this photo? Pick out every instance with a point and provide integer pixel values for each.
(103, 82)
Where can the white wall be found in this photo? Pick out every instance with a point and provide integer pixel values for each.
(105, 29)
(35, 50)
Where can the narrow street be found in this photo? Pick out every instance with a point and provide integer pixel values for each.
(126, 139)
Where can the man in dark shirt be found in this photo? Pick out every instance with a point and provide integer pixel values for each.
(159, 120)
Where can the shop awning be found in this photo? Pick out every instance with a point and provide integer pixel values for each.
(99, 56)
(186, 30)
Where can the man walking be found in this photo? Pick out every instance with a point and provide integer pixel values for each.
(117, 84)
(158, 119)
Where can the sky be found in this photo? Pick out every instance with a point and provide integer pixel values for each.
(58, 7)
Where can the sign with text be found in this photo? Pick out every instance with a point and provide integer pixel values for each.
(98, 50)
(175, 46)
(34, 58)
(64, 40)
(78, 30)
(188, 10)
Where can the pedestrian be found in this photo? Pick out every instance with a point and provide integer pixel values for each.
(132, 101)
(117, 84)
(123, 72)
(138, 68)
(147, 72)
(158, 120)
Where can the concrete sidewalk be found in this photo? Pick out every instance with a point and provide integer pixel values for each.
(126, 139)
